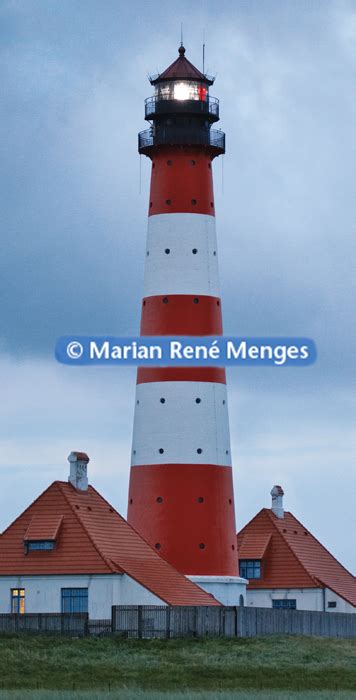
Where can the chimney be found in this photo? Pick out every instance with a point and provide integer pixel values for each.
(277, 494)
(78, 470)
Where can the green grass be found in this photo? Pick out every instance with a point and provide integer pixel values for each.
(112, 663)
(136, 694)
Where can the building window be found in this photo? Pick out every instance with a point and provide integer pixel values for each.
(332, 604)
(36, 545)
(284, 604)
(250, 568)
(74, 600)
(18, 600)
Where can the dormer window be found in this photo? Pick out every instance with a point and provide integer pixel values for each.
(37, 545)
(42, 533)
(250, 568)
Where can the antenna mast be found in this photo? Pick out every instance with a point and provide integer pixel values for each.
(204, 51)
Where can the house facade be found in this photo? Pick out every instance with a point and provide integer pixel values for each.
(288, 568)
(70, 551)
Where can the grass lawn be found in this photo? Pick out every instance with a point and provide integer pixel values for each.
(201, 668)
(136, 694)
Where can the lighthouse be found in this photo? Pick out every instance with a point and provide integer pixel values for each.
(181, 496)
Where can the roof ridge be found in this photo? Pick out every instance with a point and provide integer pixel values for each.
(30, 506)
(76, 514)
(238, 534)
(321, 545)
(130, 526)
(269, 512)
(317, 578)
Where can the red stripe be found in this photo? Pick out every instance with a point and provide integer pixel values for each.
(181, 181)
(181, 314)
(180, 522)
(181, 374)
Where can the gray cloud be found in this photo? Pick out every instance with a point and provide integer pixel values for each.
(74, 77)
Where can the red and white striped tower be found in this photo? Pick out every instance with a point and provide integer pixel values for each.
(181, 493)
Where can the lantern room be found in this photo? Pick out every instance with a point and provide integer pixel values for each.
(181, 111)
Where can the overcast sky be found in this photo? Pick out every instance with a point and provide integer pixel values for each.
(73, 80)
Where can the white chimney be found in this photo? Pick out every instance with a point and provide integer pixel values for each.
(277, 494)
(78, 470)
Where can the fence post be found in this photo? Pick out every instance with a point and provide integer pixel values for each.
(168, 622)
(86, 625)
(113, 619)
(39, 622)
(139, 621)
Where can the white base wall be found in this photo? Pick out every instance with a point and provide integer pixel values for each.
(43, 593)
(226, 589)
(307, 599)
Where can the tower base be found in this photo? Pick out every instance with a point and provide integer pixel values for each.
(228, 590)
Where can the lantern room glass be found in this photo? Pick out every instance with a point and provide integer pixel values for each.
(181, 90)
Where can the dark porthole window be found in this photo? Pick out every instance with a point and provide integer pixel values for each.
(151, 205)
(169, 162)
(202, 545)
(214, 252)
(227, 452)
(168, 201)
(194, 201)
(167, 251)
(192, 162)
(134, 452)
(218, 303)
(165, 300)
(200, 499)
(209, 166)
(198, 400)
(131, 501)
(148, 252)
(159, 499)
(212, 204)
(162, 400)
(157, 545)
(196, 300)
(224, 402)
(144, 303)
(199, 450)
(137, 402)
(230, 501)
(232, 546)
(194, 251)
(161, 450)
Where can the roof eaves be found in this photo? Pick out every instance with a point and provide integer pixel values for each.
(341, 595)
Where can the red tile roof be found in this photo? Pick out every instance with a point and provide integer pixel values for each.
(93, 539)
(181, 69)
(43, 527)
(254, 545)
(295, 558)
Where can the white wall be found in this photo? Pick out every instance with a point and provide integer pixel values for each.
(43, 593)
(226, 589)
(307, 599)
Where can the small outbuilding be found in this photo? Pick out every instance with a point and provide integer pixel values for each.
(71, 551)
(288, 568)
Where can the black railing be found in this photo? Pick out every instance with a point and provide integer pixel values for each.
(211, 138)
(159, 104)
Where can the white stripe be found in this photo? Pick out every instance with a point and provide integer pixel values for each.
(181, 426)
(181, 271)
